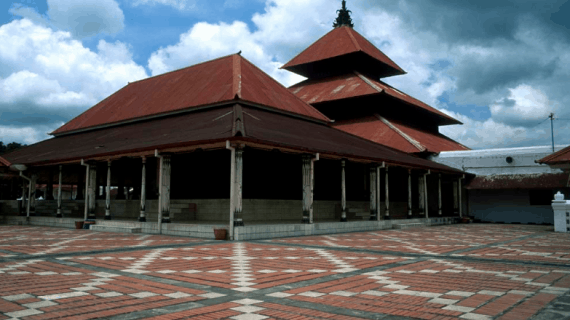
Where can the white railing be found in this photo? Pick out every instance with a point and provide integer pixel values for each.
(561, 210)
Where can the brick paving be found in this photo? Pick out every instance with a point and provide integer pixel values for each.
(447, 272)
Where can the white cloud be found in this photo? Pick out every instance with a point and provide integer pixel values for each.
(26, 135)
(83, 18)
(48, 74)
(206, 41)
(177, 4)
(524, 106)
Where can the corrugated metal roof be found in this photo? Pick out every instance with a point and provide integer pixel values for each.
(339, 42)
(520, 181)
(353, 85)
(214, 125)
(398, 135)
(559, 157)
(226, 79)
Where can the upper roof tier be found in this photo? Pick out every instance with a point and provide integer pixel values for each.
(354, 85)
(216, 82)
(343, 49)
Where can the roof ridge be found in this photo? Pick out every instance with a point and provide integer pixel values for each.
(286, 89)
(411, 140)
(352, 38)
(368, 82)
(237, 76)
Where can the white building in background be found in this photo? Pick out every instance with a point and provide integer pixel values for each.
(509, 186)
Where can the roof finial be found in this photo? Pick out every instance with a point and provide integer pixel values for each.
(343, 17)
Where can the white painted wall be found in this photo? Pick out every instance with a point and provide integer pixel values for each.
(508, 206)
(494, 161)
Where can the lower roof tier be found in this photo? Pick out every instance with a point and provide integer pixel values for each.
(213, 127)
(398, 135)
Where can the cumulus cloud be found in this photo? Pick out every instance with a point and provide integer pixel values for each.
(525, 106)
(177, 4)
(83, 18)
(48, 77)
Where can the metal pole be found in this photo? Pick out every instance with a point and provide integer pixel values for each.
(552, 129)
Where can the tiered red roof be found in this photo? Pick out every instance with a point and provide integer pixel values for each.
(216, 82)
(398, 135)
(355, 84)
(340, 43)
(351, 87)
(559, 157)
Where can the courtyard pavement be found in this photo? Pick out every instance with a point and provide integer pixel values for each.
(475, 271)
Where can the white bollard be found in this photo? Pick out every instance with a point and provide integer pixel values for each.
(561, 213)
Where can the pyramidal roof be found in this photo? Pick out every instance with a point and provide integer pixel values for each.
(341, 46)
(217, 82)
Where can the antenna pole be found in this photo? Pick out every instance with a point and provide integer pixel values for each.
(551, 116)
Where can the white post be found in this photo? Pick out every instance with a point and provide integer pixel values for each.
(307, 189)
(108, 193)
(142, 217)
(238, 187)
(373, 193)
(92, 191)
(59, 214)
(439, 194)
(343, 194)
(387, 216)
(409, 193)
(561, 215)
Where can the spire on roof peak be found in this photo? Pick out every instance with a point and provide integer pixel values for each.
(343, 18)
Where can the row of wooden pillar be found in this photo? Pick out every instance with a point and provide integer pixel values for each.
(237, 190)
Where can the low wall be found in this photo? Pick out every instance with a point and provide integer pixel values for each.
(268, 231)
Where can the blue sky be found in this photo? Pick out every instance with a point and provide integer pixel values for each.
(498, 66)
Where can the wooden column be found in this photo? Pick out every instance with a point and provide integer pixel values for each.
(343, 192)
(426, 194)
(439, 194)
(409, 193)
(459, 197)
(455, 198)
(238, 189)
(33, 186)
(164, 192)
(59, 214)
(307, 203)
(108, 193)
(86, 211)
(142, 217)
(49, 187)
(92, 189)
(25, 188)
(387, 200)
(373, 193)
(378, 194)
(421, 195)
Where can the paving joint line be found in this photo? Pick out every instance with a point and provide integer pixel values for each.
(417, 255)
(483, 246)
(116, 250)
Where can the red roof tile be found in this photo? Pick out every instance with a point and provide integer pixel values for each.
(398, 135)
(519, 181)
(559, 157)
(219, 81)
(258, 126)
(340, 42)
(354, 85)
